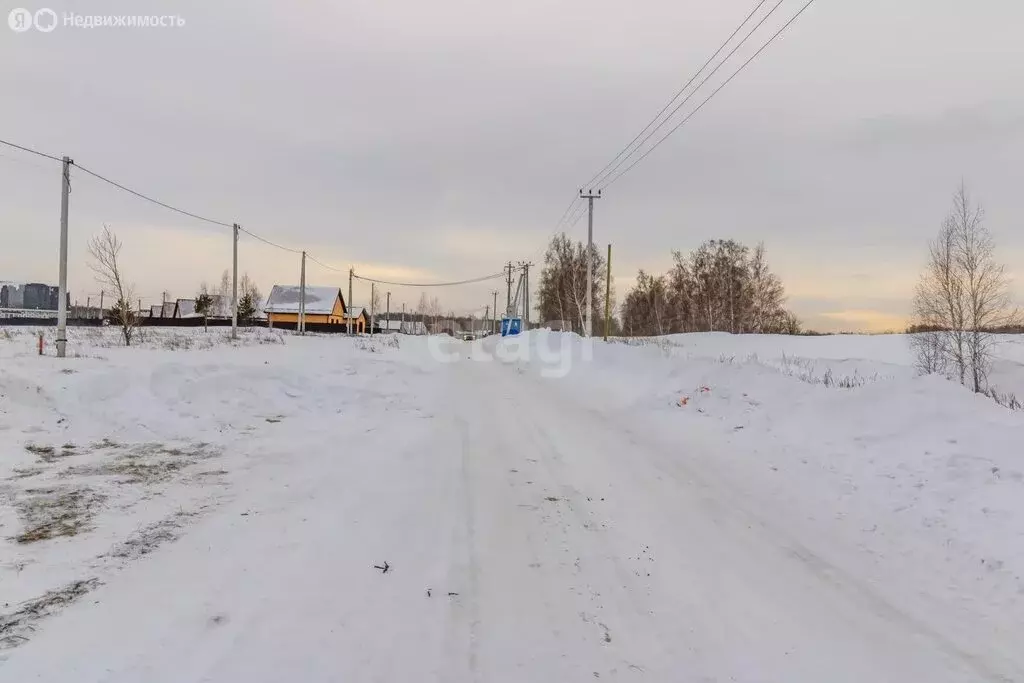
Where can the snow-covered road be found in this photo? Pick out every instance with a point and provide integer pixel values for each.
(528, 536)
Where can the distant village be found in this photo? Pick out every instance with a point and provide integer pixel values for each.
(325, 309)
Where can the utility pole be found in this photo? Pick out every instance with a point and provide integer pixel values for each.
(590, 197)
(62, 305)
(373, 294)
(101, 304)
(350, 310)
(387, 314)
(494, 313)
(403, 319)
(508, 294)
(608, 295)
(301, 324)
(234, 282)
(526, 295)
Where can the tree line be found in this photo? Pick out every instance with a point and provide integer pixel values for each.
(722, 285)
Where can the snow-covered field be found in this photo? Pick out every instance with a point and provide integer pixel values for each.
(691, 508)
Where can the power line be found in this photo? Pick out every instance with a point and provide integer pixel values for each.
(266, 241)
(675, 97)
(604, 176)
(321, 263)
(568, 209)
(431, 284)
(154, 201)
(31, 151)
(711, 96)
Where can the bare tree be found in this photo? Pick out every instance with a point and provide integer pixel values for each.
(562, 291)
(963, 296)
(105, 250)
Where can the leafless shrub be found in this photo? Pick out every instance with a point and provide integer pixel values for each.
(15, 626)
(105, 250)
(1007, 400)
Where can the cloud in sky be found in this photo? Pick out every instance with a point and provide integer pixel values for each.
(439, 140)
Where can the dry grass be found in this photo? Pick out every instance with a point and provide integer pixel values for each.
(54, 512)
(146, 463)
(15, 625)
(25, 473)
(149, 538)
(50, 454)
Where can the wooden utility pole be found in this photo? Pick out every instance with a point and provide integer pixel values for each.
(387, 315)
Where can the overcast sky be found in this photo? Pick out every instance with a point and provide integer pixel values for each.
(437, 140)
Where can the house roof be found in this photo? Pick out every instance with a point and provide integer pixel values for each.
(355, 312)
(156, 310)
(185, 308)
(285, 299)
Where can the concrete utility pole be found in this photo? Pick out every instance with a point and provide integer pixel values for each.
(526, 295)
(387, 314)
(101, 304)
(508, 294)
(234, 282)
(608, 295)
(373, 294)
(494, 313)
(349, 310)
(62, 305)
(403, 315)
(590, 197)
(302, 296)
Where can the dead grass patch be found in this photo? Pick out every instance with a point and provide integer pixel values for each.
(54, 512)
(147, 463)
(50, 454)
(15, 626)
(25, 472)
(149, 538)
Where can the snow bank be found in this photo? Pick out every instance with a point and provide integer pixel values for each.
(913, 471)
